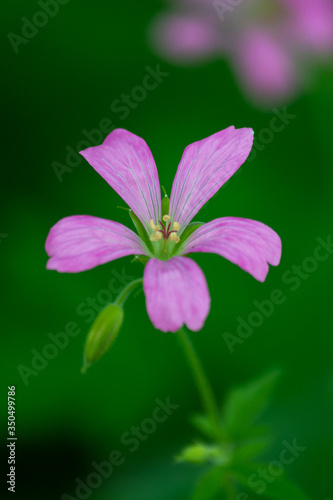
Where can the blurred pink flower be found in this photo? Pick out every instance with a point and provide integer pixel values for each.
(269, 43)
(175, 287)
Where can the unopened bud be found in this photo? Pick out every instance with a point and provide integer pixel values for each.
(102, 334)
(200, 453)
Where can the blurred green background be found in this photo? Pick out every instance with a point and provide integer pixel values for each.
(65, 80)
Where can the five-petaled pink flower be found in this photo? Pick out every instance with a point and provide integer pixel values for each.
(269, 43)
(174, 285)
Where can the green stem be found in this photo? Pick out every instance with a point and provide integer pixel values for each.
(229, 489)
(127, 290)
(202, 383)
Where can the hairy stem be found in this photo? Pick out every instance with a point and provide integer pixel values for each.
(127, 290)
(202, 383)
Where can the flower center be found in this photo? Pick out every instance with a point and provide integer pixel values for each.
(164, 230)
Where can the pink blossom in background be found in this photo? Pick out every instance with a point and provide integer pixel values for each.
(175, 287)
(269, 43)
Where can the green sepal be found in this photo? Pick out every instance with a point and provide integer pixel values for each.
(140, 230)
(189, 230)
(165, 204)
(140, 258)
(102, 334)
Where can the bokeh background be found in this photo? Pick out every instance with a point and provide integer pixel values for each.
(65, 80)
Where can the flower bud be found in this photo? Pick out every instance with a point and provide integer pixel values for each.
(200, 453)
(102, 334)
(196, 454)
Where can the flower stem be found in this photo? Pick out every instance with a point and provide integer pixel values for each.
(202, 383)
(126, 291)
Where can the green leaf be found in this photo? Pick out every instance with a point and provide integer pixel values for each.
(257, 431)
(249, 450)
(277, 488)
(203, 424)
(209, 484)
(140, 230)
(245, 404)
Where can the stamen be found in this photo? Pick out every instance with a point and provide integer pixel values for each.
(162, 230)
(155, 236)
(173, 237)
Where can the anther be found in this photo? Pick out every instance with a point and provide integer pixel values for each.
(176, 226)
(155, 236)
(174, 237)
(166, 217)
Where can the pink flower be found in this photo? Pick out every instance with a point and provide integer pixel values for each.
(174, 285)
(269, 43)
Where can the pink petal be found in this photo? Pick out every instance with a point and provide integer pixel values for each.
(265, 65)
(82, 242)
(176, 294)
(205, 166)
(245, 242)
(184, 38)
(312, 23)
(124, 160)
